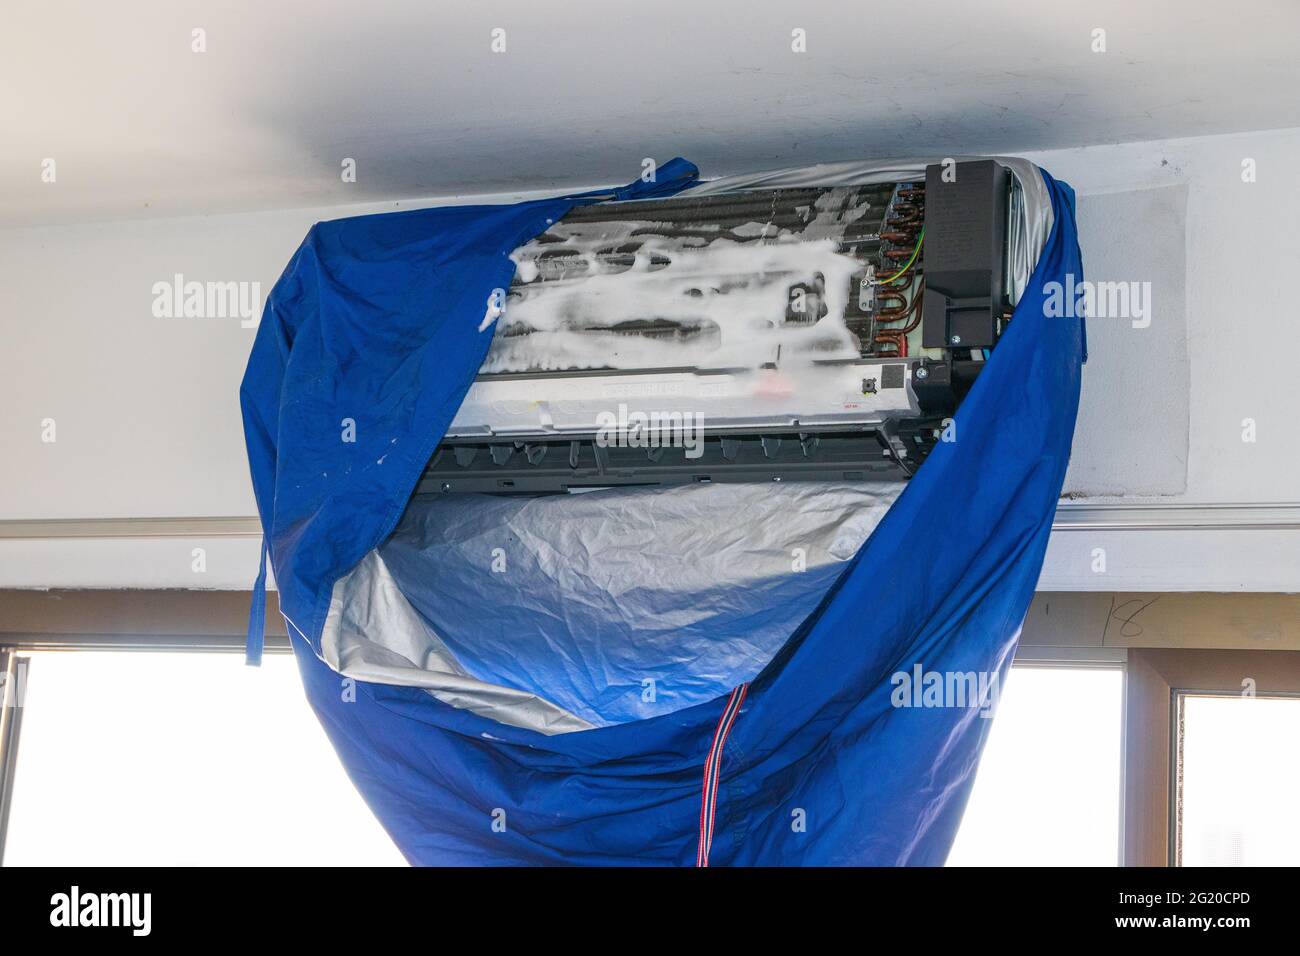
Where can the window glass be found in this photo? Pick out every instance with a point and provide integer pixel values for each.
(1238, 782)
(1047, 792)
(147, 758)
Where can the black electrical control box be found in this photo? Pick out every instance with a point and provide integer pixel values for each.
(965, 254)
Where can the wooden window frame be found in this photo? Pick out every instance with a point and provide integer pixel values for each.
(1155, 679)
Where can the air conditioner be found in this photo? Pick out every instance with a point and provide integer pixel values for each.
(819, 324)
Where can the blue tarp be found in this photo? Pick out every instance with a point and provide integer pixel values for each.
(376, 320)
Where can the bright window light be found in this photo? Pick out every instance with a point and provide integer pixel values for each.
(175, 759)
(1048, 788)
(1239, 781)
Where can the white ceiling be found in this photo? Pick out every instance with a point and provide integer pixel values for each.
(140, 125)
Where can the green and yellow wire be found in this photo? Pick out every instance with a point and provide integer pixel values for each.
(920, 238)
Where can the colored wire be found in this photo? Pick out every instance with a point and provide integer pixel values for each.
(920, 238)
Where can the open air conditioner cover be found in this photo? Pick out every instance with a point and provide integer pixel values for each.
(694, 674)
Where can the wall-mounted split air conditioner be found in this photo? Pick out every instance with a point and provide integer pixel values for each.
(759, 328)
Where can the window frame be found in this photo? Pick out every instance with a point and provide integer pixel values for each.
(13, 669)
(1157, 679)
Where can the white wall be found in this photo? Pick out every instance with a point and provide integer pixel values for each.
(1133, 440)
(148, 424)
(1242, 312)
(1242, 255)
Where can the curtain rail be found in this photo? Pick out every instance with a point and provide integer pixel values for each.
(198, 643)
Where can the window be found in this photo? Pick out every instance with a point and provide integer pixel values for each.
(1048, 789)
(1237, 780)
(1207, 756)
(168, 758)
